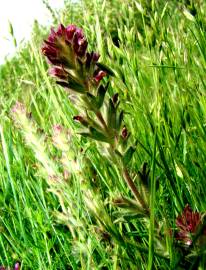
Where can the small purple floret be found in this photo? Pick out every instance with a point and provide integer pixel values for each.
(17, 266)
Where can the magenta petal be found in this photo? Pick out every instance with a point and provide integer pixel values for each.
(49, 51)
(52, 36)
(70, 30)
(187, 223)
(95, 57)
(17, 266)
(82, 47)
(100, 75)
(79, 33)
(61, 30)
(58, 72)
(124, 133)
(57, 129)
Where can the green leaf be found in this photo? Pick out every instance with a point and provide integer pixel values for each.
(98, 135)
(119, 120)
(73, 85)
(80, 65)
(76, 87)
(101, 94)
(128, 155)
(91, 97)
(95, 134)
(129, 204)
(91, 101)
(105, 68)
(111, 115)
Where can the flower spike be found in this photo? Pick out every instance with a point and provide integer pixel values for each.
(66, 50)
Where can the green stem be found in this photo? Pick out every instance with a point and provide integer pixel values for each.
(102, 121)
(152, 207)
(126, 174)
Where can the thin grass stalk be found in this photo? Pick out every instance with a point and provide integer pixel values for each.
(6, 156)
(152, 207)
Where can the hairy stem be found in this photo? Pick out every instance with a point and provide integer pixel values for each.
(126, 174)
(134, 190)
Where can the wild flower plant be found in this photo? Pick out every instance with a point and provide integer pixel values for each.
(81, 73)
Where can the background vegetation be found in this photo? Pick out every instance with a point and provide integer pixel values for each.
(157, 51)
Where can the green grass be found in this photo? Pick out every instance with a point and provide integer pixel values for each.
(157, 51)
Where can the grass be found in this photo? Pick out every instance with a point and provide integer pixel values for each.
(157, 51)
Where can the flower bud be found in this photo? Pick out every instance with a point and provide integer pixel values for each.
(124, 133)
(17, 266)
(82, 120)
(59, 72)
(61, 31)
(91, 58)
(100, 75)
(70, 30)
(75, 68)
(115, 98)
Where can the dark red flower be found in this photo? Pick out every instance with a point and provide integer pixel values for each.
(91, 59)
(81, 119)
(59, 72)
(63, 45)
(75, 68)
(115, 98)
(70, 30)
(124, 132)
(188, 224)
(95, 57)
(61, 31)
(100, 75)
(79, 43)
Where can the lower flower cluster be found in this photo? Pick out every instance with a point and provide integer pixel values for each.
(16, 267)
(188, 225)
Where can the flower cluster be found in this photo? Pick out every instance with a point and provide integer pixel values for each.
(16, 267)
(79, 71)
(188, 224)
(72, 65)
